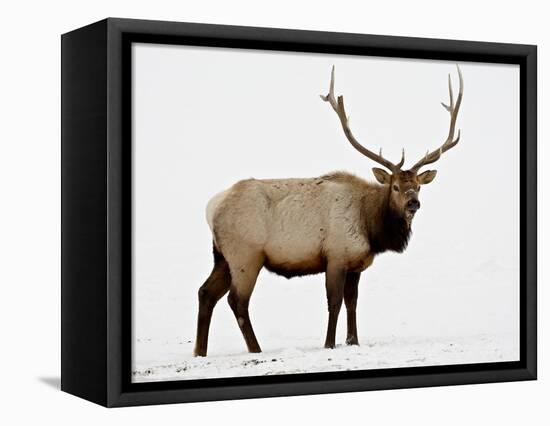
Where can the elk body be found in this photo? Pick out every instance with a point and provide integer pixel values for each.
(334, 224)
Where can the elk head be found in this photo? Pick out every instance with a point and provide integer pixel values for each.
(404, 185)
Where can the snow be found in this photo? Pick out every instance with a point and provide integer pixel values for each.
(306, 356)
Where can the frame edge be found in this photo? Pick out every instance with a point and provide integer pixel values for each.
(83, 213)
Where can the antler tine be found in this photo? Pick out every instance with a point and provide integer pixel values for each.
(451, 101)
(451, 141)
(402, 161)
(338, 106)
(330, 96)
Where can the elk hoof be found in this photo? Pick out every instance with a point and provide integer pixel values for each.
(199, 352)
(352, 341)
(330, 345)
(255, 351)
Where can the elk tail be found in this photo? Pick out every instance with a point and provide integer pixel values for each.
(212, 208)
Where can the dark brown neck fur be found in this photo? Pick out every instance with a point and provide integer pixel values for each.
(386, 229)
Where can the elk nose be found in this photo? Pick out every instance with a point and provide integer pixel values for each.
(413, 204)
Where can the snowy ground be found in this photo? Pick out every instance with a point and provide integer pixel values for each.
(307, 356)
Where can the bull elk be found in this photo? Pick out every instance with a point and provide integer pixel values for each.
(336, 224)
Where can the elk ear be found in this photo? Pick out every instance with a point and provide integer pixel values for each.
(426, 177)
(381, 175)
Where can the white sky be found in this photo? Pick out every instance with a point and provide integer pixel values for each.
(204, 118)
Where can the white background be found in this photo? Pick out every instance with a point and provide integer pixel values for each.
(205, 118)
(30, 171)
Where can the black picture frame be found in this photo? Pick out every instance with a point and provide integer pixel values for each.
(96, 211)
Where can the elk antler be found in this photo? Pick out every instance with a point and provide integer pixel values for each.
(432, 157)
(338, 107)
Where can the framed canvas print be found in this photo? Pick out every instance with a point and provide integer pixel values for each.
(251, 212)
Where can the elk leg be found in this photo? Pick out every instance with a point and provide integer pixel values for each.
(215, 287)
(244, 280)
(335, 278)
(350, 298)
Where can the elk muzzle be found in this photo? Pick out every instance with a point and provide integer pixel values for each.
(413, 204)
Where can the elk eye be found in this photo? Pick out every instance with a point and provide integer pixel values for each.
(395, 188)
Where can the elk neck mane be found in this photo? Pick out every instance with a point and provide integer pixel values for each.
(386, 228)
